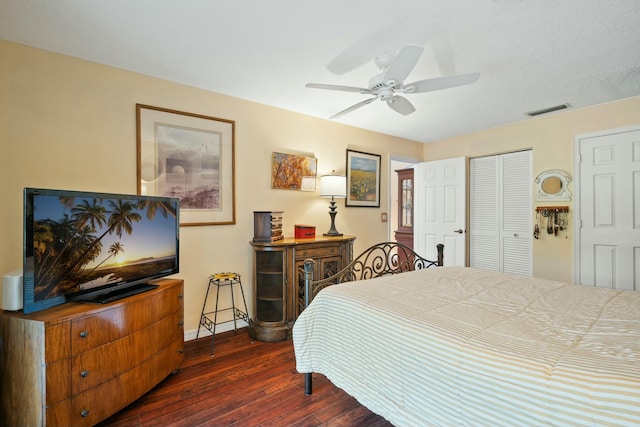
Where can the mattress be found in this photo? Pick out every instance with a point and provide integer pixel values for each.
(456, 346)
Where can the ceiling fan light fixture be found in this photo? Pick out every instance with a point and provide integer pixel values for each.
(385, 94)
(548, 110)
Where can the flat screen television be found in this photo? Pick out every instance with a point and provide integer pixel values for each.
(95, 247)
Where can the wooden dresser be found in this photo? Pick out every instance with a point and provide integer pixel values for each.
(278, 279)
(78, 363)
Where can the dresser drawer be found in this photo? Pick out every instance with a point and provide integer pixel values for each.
(317, 251)
(123, 318)
(59, 414)
(88, 369)
(58, 384)
(57, 342)
(96, 404)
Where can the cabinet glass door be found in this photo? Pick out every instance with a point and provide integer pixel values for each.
(404, 233)
(406, 202)
(270, 287)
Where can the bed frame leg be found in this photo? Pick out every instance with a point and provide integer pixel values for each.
(308, 383)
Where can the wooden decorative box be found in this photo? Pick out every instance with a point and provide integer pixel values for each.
(305, 231)
(267, 226)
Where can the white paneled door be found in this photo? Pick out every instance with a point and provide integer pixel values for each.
(608, 234)
(440, 209)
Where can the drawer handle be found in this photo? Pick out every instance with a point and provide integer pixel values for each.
(180, 296)
(84, 334)
(84, 373)
(181, 351)
(181, 323)
(84, 413)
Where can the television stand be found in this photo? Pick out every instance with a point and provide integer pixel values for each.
(77, 364)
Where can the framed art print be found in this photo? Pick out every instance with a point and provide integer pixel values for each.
(293, 172)
(363, 179)
(189, 156)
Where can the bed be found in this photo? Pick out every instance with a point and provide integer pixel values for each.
(457, 346)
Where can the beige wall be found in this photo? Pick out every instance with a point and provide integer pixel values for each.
(70, 124)
(552, 139)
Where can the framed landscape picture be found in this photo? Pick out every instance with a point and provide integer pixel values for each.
(293, 172)
(189, 156)
(363, 179)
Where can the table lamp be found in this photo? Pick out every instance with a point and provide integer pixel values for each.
(334, 186)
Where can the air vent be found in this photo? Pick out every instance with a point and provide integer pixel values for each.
(548, 110)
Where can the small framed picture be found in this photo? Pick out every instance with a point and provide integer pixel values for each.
(363, 179)
(293, 172)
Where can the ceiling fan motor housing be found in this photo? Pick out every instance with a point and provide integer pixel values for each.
(383, 61)
(383, 89)
(385, 94)
(376, 82)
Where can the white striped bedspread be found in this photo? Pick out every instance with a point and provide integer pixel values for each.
(456, 346)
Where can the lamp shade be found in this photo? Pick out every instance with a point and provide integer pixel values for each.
(333, 186)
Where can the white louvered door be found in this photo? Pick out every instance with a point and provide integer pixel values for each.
(501, 213)
(517, 213)
(483, 206)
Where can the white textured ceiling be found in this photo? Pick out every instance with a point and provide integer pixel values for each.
(530, 54)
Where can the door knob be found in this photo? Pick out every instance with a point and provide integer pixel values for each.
(459, 231)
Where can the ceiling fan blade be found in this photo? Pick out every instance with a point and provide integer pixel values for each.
(404, 62)
(363, 50)
(401, 105)
(438, 83)
(338, 87)
(443, 52)
(353, 107)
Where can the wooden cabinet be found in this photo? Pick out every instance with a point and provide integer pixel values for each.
(278, 282)
(404, 233)
(79, 363)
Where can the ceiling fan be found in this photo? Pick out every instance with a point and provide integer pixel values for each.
(388, 85)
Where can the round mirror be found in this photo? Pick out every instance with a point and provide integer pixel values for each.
(552, 186)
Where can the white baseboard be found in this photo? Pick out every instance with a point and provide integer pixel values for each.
(204, 332)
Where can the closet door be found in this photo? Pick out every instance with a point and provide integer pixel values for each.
(484, 234)
(501, 213)
(517, 213)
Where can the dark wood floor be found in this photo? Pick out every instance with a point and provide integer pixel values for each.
(245, 384)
